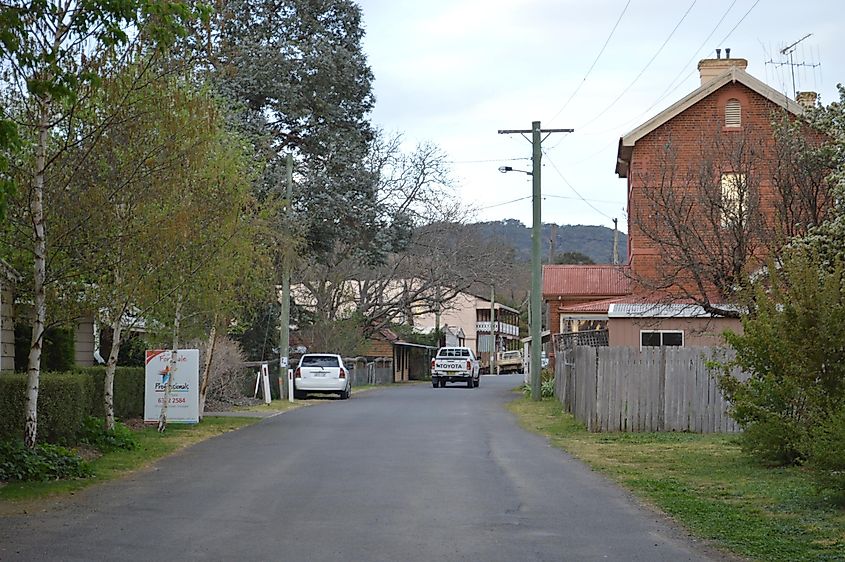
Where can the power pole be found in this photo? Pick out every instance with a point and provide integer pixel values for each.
(284, 319)
(536, 232)
(493, 329)
(615, 241)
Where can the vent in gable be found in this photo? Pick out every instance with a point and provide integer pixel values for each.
(733, 113)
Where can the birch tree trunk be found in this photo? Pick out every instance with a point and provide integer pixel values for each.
(39, 277)
(111, 367)
(206, 369)
(177, 320)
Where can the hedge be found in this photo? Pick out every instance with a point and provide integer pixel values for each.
(128, 391)
(66, 399)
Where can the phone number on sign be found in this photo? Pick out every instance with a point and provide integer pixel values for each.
(174, 400)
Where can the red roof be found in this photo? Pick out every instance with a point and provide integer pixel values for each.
(585, 281)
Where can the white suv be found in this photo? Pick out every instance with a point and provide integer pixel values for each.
(323, 373)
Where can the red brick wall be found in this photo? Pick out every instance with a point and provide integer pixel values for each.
(691, 137)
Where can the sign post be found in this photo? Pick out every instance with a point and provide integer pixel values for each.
(290, 385)
(183, 405)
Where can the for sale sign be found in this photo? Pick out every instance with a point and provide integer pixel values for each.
(183, 379)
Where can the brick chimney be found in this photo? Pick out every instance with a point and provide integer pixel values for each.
(711, 68)
(807, 99)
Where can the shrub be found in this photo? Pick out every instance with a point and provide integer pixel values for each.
(827, 454)
(44, 462)
(792, 349)
(547, 385)
(128, 391)
(64, 401)
(57, 351)
(95, 434)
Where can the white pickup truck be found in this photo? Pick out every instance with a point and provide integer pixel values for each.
(454, 364)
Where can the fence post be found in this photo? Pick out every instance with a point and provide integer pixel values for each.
(661, 392)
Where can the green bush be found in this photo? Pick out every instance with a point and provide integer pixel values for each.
(44, 462)
(547, 385)
(128, 391)
(827, 454)
(57, 351)
(95, 434)
(792, 349)
(64, 401)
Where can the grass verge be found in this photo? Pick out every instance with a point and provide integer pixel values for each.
(707, 484)
(152, 446)
(273, 406)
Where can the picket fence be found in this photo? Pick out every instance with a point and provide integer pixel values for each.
(655, 389)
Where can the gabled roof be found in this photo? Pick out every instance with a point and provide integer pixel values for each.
(585, 281)
(733, 74)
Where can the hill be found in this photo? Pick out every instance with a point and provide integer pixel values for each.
(593, 241)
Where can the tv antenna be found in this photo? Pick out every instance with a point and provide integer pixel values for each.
(789, 51)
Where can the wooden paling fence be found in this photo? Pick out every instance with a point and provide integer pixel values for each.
(656, 389)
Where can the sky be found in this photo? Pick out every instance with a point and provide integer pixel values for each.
(454, 72)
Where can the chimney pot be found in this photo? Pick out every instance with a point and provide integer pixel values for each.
(727, 52)
(718, 53)
(711, 68)
(807, 99)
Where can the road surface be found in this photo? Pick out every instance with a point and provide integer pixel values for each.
(404, 473)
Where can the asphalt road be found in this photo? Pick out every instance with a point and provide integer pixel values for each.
(401, 474)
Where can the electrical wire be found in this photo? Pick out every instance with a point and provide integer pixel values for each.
(596, 60)
(504, 203)
(725, 38)
(684, 68)
(575, 191)
(639, 75)
(485, 161)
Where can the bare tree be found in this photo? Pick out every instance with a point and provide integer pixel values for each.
(431, 256)
(716, 218)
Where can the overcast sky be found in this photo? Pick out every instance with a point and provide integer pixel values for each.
(454, 72)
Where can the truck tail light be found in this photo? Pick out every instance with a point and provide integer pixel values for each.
(432, 365)
(297, 374)
(342, 373)
(469, 365)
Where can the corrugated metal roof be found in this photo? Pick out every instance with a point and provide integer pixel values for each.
(662, 310)
(598, 307)
(585, 281)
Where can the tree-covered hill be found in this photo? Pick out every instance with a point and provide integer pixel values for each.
(593, 241)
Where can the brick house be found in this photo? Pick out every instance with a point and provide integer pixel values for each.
(712, 159)
(8, 278)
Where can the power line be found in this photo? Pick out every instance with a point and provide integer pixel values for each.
(575, 191)
(725, 38)
(592, 66)
(485, 161)
(648, 64)
(584, 199)
(668, 92)
(684, 68)
(505, 203)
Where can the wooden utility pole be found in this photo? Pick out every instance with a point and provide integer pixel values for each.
(493, 348)
(536, 232)
(284, 318)
(615, 241)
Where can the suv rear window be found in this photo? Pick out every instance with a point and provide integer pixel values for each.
(319, 361)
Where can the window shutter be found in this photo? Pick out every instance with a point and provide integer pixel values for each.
(733, 113)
